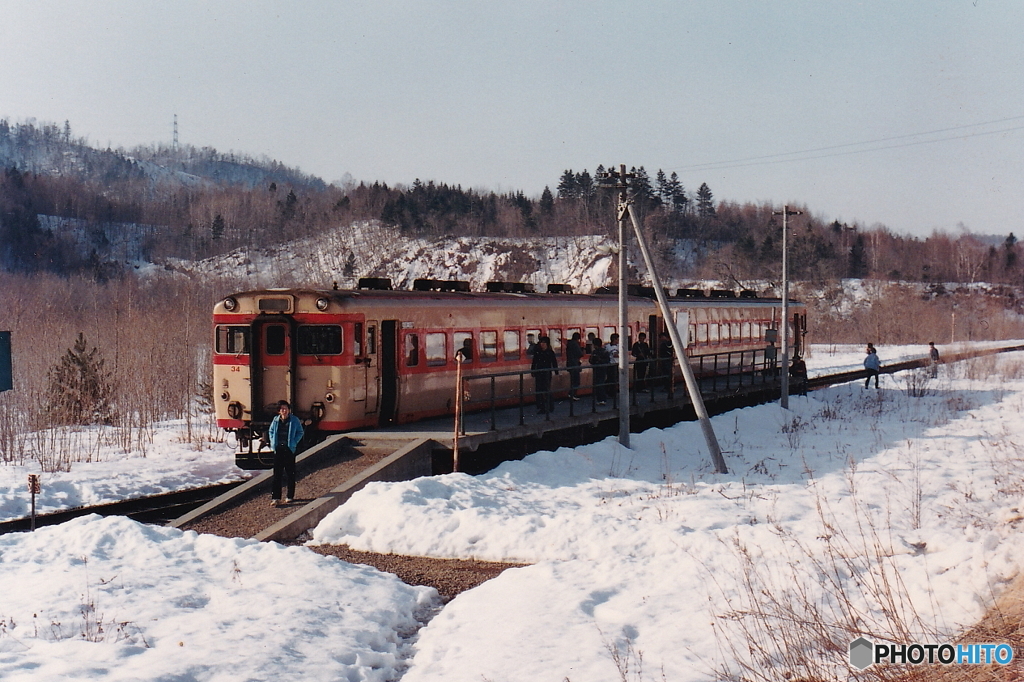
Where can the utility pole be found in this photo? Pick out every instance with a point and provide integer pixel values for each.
(784, 331)
(174, 144)
(680, 347)
(619, 180)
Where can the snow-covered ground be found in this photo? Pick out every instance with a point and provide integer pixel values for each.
(637, 555)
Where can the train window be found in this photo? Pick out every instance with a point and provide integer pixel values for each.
(412, 350)
(275, 339)
(591, 334)
(318, 339)
(576, 330)
(556, 340)
(713, 332)
(357, 339)
(747, 331)
(371, 340)
(437, 349)
(488, 346)
(512, 348)
(735, 330)
(232, 339)
(531, 341)
(608, 331)
(726, 331)
(702, 333)
(464, 344)
(691, 334)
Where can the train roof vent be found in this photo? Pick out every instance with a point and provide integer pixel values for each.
(439, 285)
(510, 287)
(748, 293)
(559, 288)
(379, 283)
(689, 293)
(723, 293)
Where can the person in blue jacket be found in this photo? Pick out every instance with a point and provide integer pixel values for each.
(872, 364)
(285, 432)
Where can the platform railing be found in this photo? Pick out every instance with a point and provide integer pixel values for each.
(717, 373)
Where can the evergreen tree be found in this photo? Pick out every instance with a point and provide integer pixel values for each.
(217, 228)
(80, 390)
(858, 263)
(547, 202)
(676, 194)
(705, 201)
(567, 186)
(661, 187)
(585, 188)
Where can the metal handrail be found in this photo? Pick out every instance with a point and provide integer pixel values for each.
(716, 372)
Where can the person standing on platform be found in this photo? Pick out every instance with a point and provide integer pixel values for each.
(798, 372)
(641, 352)
(601, 361)
(665, 355)
(285, 432)
(573, 361)
(933, 359)
(545, 362)
(611, 376)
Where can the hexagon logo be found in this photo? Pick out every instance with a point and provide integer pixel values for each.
(861, 651)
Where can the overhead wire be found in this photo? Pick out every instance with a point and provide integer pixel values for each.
(780, 157)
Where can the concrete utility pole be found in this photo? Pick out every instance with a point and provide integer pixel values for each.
(784, 331)
(619, 180)
(680, 347)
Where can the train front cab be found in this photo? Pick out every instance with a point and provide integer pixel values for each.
(274, 347)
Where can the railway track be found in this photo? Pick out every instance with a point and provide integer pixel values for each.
(157, 509)
(243, 510)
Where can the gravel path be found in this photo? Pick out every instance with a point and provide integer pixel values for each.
(254, 513)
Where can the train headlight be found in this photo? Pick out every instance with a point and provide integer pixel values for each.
(225, 396)
(329, 397)
(230, 304)
(318, 411)
(322, 303)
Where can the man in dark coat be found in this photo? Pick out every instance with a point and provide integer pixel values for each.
(602, 362)
(544, 363)
(641, 352)
(665, 355)
(573, 361)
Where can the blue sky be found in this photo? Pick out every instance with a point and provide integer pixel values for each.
(507, 96)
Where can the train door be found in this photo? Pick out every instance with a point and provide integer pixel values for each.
(366, 338)
(273, 370)
(387, 360)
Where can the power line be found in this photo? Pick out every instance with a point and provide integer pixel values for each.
(780, 157)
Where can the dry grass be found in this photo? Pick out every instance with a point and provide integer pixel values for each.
(153, 336)
(782, 625)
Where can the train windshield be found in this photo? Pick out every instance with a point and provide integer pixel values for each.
(232, 339)
(318, 339)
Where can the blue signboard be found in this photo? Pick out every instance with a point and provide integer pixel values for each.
(6, 374)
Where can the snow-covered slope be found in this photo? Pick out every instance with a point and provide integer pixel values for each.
(370, 249)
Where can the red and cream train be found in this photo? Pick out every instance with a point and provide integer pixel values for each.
(358, 359)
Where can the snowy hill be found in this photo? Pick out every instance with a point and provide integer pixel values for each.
(368, 248)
